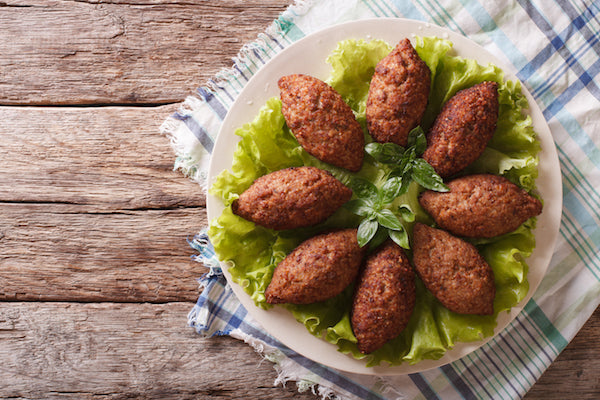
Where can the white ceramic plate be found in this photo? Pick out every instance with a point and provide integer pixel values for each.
(308, 56)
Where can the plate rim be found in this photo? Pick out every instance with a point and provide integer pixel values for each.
(548, 221)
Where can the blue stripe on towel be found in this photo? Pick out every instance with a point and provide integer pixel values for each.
(197, 130)
(212, 101)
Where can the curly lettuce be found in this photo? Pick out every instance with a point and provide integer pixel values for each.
(267, 145)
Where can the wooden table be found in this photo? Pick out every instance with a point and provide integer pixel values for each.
(96, 278)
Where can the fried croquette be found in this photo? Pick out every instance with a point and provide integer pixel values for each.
(321, 121)
(318, 269)
(384, 297)
(292, 198)
(480, 206)
(453, 271)
(462, 129)
(398, 95)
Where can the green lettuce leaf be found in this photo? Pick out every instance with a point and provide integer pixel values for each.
(353, 83)
(267, 145)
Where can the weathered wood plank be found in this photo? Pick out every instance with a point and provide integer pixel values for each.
(119, 351)
(91, 209)
(115, 351)
(107, 157)
(121, 52)
(63, 252)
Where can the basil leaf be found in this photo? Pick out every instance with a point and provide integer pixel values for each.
(379, 238)
(400, 237)
(363, 189)
(406, 181)
(404, 167)
(387, 153)
(388, 219)
(411, 155)
(425, 175)
(391, 189)
(366, 230)
(359, 207)
(405, 177)
(406, 213)
(417, 140)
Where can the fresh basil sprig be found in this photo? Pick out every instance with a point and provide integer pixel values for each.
(378, 221)
(373, 203)
(407, 163)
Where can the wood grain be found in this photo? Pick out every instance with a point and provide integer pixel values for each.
(63, 252)
(91, 209)
(96, 278)
(123, 351)
(120, 52)
(109, 158)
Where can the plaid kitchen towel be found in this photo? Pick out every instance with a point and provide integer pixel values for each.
(553, 46)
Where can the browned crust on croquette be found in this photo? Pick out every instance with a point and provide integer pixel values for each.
(384, 297)
(453, 271)
(321, 121)
(292, 198)
(398, 95)
(318, 269)
(462, 129)
(480, 206)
